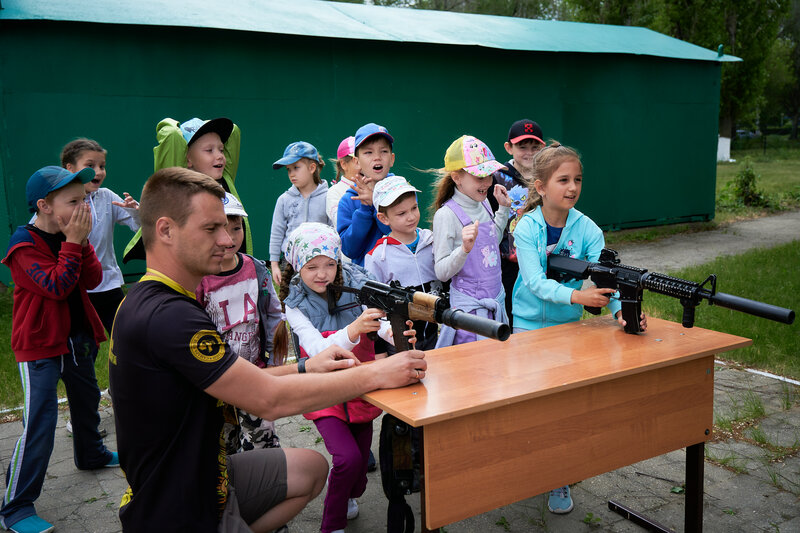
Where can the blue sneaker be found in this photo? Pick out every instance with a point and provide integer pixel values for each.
(560, 501)
(114, 461)
(32, 524)
(372, 465)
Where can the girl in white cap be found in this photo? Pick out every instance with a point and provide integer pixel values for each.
(244, 306)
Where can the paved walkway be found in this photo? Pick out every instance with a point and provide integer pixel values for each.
(748, 486)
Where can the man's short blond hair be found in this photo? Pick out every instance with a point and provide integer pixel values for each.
(168, 193)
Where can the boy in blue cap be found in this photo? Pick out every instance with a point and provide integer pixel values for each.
(55, 334)
(357, 221)
(210, 147)
(304, 201)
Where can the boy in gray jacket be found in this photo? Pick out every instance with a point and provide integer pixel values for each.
(405, 254)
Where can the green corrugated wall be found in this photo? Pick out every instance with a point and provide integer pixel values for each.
(646, 126)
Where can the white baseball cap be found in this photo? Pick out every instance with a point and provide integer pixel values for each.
(233, 206)
(390, 189)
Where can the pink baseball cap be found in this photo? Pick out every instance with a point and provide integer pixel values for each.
(346, 147)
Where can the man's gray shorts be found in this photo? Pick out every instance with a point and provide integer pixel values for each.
(256, 484)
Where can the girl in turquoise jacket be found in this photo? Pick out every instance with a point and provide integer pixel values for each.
(551, 224)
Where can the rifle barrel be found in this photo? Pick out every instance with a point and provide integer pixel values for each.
(484, 327)
(751, 307)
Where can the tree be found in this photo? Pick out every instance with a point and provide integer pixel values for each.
(790, 34)
(532, 9)
(745, 28)
(781, 82)
(619, 12)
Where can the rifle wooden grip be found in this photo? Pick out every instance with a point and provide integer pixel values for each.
(421, 312)
(423, 306)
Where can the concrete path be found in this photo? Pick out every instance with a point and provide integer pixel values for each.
(752, 475)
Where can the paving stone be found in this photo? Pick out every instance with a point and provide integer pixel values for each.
(83, 502)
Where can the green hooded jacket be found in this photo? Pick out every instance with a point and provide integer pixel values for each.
(171, 152)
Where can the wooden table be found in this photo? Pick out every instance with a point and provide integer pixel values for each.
(505, 421)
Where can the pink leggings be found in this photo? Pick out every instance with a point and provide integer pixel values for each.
(348, 445)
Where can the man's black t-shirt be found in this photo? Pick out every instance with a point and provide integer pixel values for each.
(164, 352)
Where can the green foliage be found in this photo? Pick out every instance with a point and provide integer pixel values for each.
(743, 189)
(781, 81)
(619, 12)
(766, 275)
(503, 523)
(591, 519)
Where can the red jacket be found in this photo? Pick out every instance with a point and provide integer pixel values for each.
(355, 411)
(40, 322)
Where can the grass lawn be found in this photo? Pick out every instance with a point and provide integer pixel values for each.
(10, 387)
(767, 275)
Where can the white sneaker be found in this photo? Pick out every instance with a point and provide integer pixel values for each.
(352, 508)
(103, 433)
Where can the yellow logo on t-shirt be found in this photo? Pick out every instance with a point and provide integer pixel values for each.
(207, 346)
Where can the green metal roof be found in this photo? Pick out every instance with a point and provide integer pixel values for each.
(355, 21)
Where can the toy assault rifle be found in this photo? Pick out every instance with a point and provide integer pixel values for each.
(631, 281)
(405, 303)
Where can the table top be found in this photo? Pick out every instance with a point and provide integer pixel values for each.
(482, 375)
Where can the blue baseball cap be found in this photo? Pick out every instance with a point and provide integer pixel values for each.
(295, 152)
(195, 128)
(49, 179)
(369, 130)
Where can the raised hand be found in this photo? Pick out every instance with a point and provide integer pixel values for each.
(468, 235)
(363, 189)
(501, 195)
(128, 202)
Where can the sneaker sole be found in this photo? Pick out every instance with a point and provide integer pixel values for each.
(561, 511)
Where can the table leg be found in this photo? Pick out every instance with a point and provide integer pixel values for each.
(422, 506)
(695, 464)
(693, 500)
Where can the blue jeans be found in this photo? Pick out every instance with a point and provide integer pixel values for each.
(28, 464)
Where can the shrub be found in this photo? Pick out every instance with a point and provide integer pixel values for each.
(743, 189)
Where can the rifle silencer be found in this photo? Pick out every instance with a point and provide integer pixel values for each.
(484, 327)
(752, 307)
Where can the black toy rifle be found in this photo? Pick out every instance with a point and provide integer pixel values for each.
(631, 281)
(405, 303)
